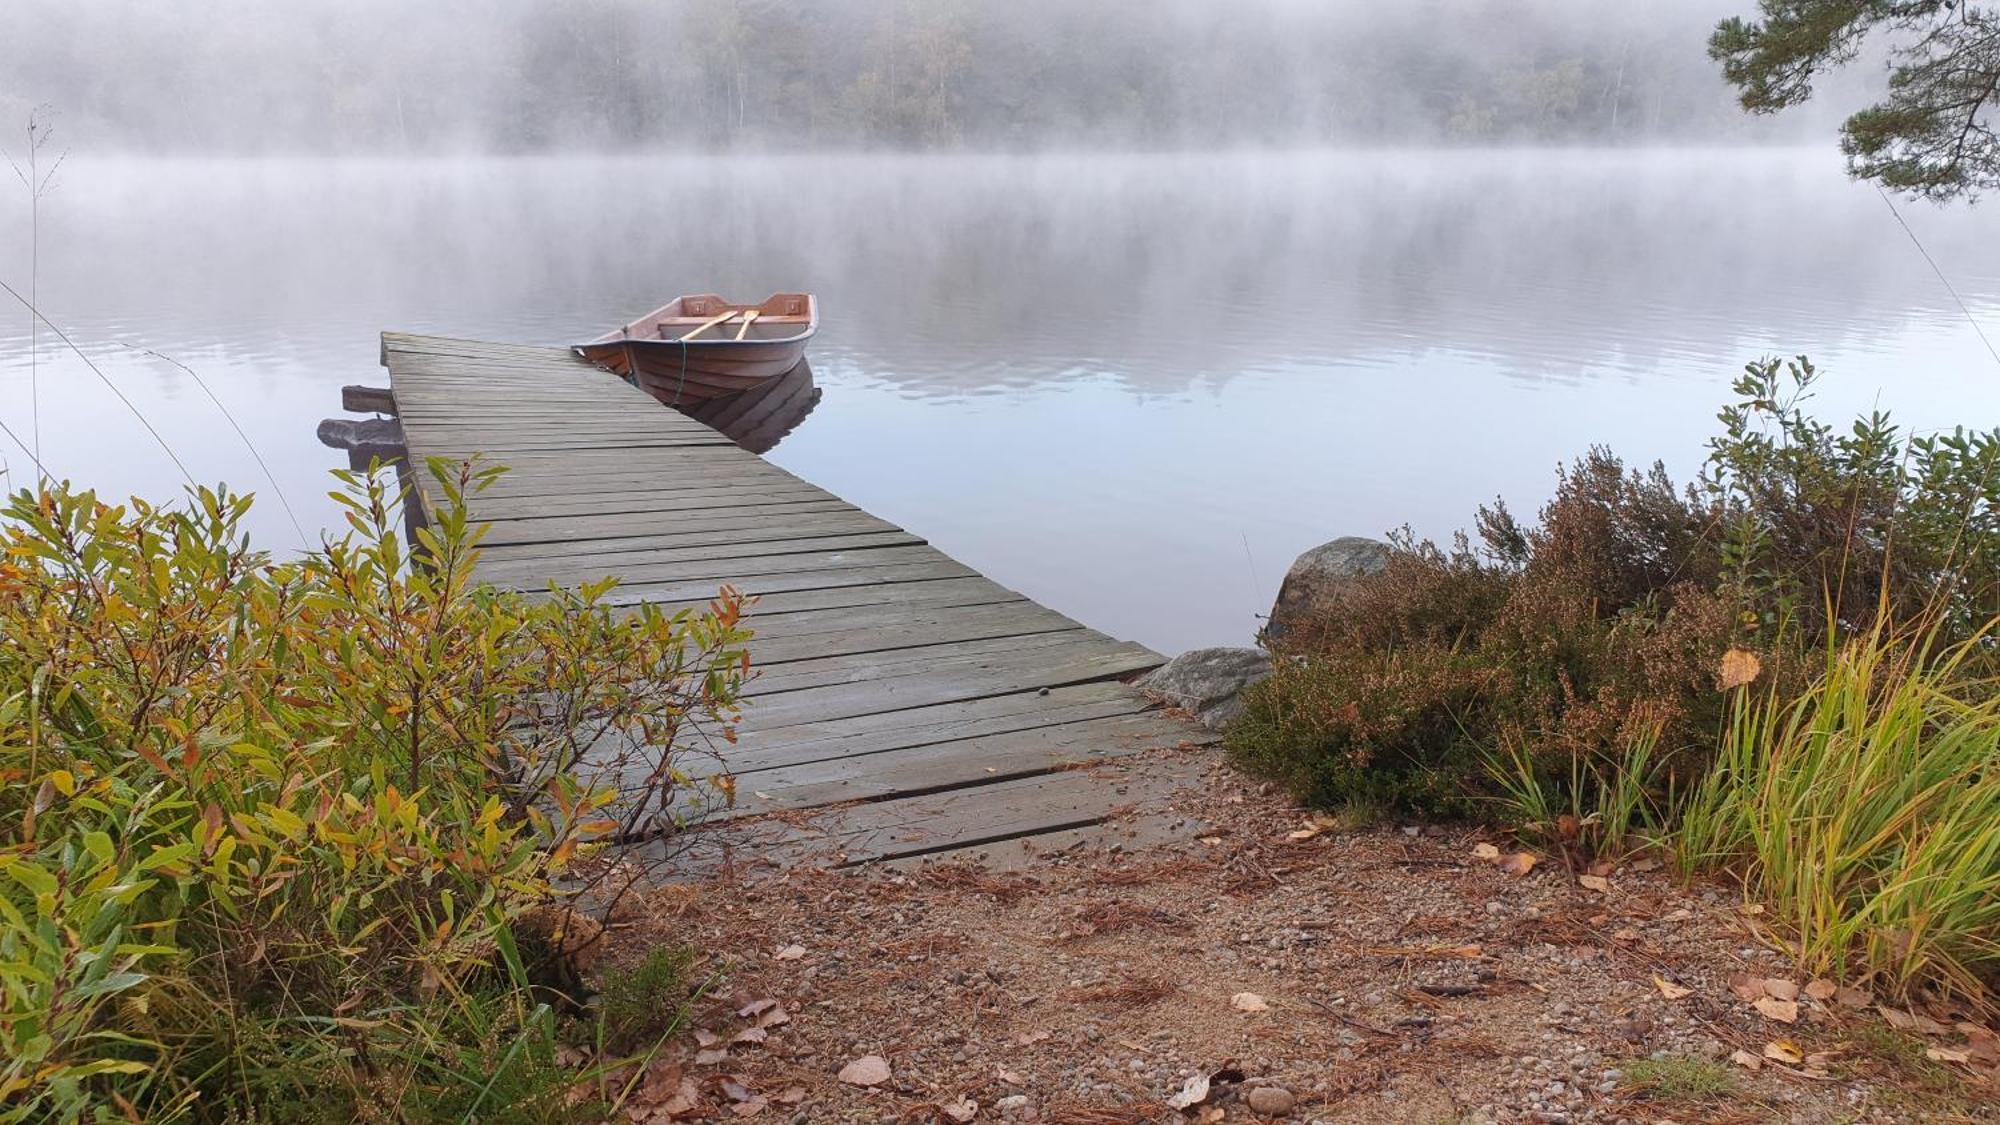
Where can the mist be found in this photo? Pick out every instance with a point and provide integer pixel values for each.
(387, 76)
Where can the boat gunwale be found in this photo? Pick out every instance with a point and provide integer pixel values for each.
(622, 335)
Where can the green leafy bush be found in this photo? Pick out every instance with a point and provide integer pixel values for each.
(268, 826)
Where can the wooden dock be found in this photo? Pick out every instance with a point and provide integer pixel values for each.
(920, 706)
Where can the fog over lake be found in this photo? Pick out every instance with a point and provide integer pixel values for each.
(1133, 387)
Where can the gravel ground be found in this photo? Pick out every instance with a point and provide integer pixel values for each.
(1298, 971)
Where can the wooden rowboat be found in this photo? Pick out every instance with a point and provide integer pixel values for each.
(702, 347)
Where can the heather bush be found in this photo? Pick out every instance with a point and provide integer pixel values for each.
(269, 828)
(1551, 662)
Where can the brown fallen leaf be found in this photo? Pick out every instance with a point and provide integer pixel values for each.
(1822, 990)
(1193, 1092)
(1784, 1050)
(1669, 989)
(1903, 1020)
(868, 1070)
(1739, 666)
(1520, 863)
(1248, 1002)
(1487, 852)
(684, 1101)
(1782, 1011)
(1782, 989)
(1746, 1060)
(1596, 883)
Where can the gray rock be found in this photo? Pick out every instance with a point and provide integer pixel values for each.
(1320, 577)
(1208, 682)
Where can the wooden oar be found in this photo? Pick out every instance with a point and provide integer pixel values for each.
(712, 322)
(749, 318)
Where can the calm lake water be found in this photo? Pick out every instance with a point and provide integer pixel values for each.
(1131, 387)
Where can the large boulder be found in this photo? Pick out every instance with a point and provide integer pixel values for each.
(1319, 578)
(1208, 682)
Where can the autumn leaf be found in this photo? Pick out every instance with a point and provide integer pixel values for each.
(1739, 666)
(1784, 1051)
(868, 1070)
(1669, 989)
(1193, 1092)
(1781, 1011)
(1782, 989)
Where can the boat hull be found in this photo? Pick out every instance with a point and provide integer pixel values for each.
(677, 373)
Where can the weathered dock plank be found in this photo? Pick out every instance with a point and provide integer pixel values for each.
(923, 706)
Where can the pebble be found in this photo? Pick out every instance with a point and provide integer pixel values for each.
(1272, 1101)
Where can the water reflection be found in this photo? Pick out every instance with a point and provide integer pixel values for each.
(759, 418)
(1131, 386)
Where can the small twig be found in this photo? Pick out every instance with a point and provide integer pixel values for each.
(1350, 1021)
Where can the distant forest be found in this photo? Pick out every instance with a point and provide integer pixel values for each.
(529, 75)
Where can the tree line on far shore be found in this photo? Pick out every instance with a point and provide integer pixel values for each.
(556, 74)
